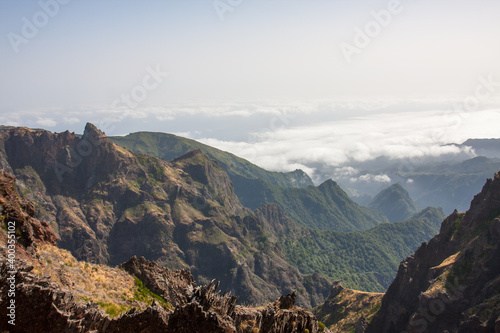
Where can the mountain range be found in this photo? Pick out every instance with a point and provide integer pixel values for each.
(107, 204)
(103, 204)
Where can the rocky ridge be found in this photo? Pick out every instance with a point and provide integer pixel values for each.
(348, 310)
(107, 204)
(451, 283)
(56, 308)
(199, 309)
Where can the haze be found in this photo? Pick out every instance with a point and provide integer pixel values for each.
(236, 67)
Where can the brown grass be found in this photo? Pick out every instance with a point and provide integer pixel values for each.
(113, 289)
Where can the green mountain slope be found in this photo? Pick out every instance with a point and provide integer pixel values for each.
(452, 282)
(326, 207)
(395, 203)
(363, 260)
(451, 186)
(169, 147)
(107, 204)
(323, 207)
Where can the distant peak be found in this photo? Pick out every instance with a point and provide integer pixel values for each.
(329, 182)
(397, 186)
(91, 129)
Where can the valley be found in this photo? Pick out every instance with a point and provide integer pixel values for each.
(260, 234)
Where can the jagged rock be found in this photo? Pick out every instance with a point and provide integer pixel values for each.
(172, 285)
(191, 318)
(21, 213)
(287, 301)
(335, 289)
(204, 309)
(108, 204)
(361, 325)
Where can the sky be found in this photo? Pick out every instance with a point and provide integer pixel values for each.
(284, 83)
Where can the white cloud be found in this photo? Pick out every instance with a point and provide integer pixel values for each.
(345, 171)
(71, 120)
(47, 122)
(369, 178)
(397, 135)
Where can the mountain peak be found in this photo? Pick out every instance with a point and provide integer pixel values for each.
(91, 129)
(395, 203)
(329, 183)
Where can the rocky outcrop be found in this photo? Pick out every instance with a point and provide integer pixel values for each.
(17, 215)
(108, 204)
(453, 282)
(43, 306)
(172, 285)
(347, 310)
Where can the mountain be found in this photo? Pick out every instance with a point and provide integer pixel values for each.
(484, 147)
(54, 292)
(448, 181)
(365, 260)
(395, 203)
(323, 207)
(451, 283)
(169, 147)
(107, 204)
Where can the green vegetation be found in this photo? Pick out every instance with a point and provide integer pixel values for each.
(363, 260)
(326, 207)
(112, 309)
(395, 203)
(143, 294)
(373, 312)
(169, 147)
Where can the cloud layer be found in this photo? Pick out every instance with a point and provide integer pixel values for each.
(306, 135)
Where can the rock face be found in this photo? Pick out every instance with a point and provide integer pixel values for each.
(107, 204)
(43, 306)
(453, 282)
(167, 283)
(19, 213)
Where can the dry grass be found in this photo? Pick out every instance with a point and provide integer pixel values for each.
(353, 305)
(438, 286)
(113, 289)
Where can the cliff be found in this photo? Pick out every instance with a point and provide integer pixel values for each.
(451, 283)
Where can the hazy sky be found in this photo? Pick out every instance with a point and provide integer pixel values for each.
(365, 70)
